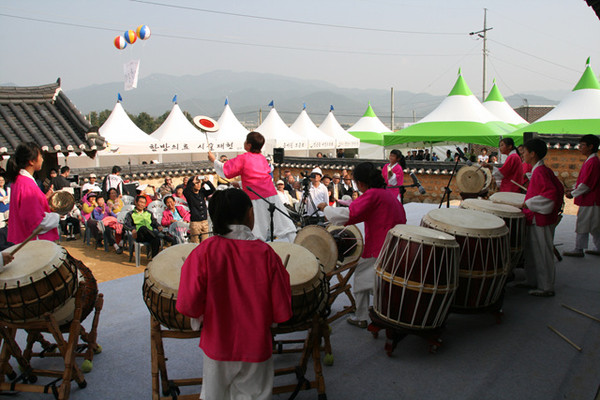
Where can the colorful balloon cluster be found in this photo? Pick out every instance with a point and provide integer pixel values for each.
(130, 36)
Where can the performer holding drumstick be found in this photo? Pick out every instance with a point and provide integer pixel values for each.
(254, 170)
(378, 208)
(510, 175)
(28, 205)
(393, 172)
(237, 300)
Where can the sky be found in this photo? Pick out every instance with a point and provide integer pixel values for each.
(535, 46)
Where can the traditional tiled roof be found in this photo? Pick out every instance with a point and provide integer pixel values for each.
(44, 115)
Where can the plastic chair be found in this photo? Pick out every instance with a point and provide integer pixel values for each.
(135, 248)
(155, 206)
(127, 200)
(127, 207)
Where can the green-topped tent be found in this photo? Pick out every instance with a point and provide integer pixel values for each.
(496, 104)
(577, 114)
(370, 130)
(460, 118)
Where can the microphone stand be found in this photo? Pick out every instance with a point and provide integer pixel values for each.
(447, 189)
(272, 208)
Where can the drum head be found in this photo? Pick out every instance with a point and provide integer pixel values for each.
(470, 179)
(488, 178)
(510, 198)
(303, 266)
(465, 222)
(423, 235)
(165, 269)
(319, 242)
(349, 242)
(497, 209)
(32, 263)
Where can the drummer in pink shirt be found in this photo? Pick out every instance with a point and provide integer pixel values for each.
(378, 208)
(28, 205)
(255, 171)
(393, 172)
(511, 171)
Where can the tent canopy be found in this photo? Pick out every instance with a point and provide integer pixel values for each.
(231, 134)
(496, 104)
(343, 140)
(305, 128)
(369, 129)
(460, 117)
(278, 134)
(119, 128)
(577, 114)
(178, 135)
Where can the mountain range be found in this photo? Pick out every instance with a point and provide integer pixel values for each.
(248, 92)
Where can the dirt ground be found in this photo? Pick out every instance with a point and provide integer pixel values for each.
(104, 265)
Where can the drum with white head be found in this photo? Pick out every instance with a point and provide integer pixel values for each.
(416, 275)
(349, 242)
(41, 278)
(510, 198)
(484, 254)
(320, 243)
(310, 289)
(512, 216)
(161, 284)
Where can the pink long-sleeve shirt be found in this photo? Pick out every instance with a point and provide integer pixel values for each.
(380, 210)
(254, 170)
(28, 206)
(239, 300)
(511, 170)
(589, 176)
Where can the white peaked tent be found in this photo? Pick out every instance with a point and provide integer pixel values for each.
(231, 134)
(278, 134)
(343, 140)
(316, 139)
(369, 129)
(178, 135)
(123, 136)
(496, 104)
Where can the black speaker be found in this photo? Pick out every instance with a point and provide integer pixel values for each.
(527, 136)
(278, 154)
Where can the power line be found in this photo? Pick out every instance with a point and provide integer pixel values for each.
(531, 55)
(530, 70)
(293, 21)
(272, 46)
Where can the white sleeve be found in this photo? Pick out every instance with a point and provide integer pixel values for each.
(540, 204)
(49, 222)
(218, 165)
(581, 189)
(497, 176)
(337, 215)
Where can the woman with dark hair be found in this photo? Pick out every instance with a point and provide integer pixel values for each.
(237, 300)
(114, 201)
(393, 172)
(255, 171)
(379, 209)
(28, 205)
(512, 170)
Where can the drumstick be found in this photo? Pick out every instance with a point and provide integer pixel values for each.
(522, 187)
(287, 259)
(581, 312)
(35, 232)
(564, 338)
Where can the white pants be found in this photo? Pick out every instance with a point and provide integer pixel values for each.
(284, 228)
(588, 221)
(237, 380)
(364, 280)
(539, 256)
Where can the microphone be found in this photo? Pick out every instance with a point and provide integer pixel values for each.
(417, 183)
(463, 157)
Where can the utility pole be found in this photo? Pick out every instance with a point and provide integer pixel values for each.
(482, 34)
(392, 112)
(259, 116)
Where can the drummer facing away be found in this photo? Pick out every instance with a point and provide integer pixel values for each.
(255, 171)
(28, 204)
(380, 210)
(238, 301)
(542, 206)
(587, 196)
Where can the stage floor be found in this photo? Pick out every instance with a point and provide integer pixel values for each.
(520, 358)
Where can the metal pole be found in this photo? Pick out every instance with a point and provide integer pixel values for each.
(259, 116)
(484, 52)
(392, 111)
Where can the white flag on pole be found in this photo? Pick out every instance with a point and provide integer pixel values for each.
(131, 69)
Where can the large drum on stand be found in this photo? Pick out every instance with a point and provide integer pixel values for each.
(161, 284)
(310, 289)
(349, 242)
(484, 255)
(416, 275)
(473, 180)
(332, 245)
(41, 278)
(514, 219)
